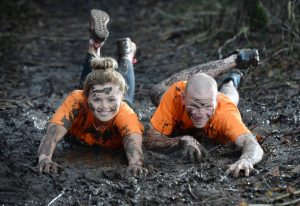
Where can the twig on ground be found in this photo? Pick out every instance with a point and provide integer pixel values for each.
(187, 17)
(292, 202)
(274, 54)
(23, 99)
(51, 38)
(292, 133)
(190, 190)
(184, 173)
(253, 127)
(56, 198)
(214, 148)
(228, 41)
(286, 195)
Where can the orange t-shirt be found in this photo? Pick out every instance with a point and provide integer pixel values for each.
(225, 125)
(75, 115)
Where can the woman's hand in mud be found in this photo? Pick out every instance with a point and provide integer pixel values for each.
(191, 148)
(47, 166)
(242, 164)
(136, 170)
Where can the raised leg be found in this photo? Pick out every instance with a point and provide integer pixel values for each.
(126, 51)
(240, 59)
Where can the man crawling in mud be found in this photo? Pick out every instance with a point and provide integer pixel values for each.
(100, 112)
(196, 105)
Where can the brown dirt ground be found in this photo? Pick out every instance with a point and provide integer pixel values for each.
(42, 47)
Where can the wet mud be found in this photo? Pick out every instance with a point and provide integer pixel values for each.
(42, 48)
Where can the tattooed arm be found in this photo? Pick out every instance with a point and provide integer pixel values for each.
(190, 147)
(48, 143)
(133, 147)
(251, 155)
(213, 68)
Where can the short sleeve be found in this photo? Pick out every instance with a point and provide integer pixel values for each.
(127, 121)
(68, 110)
(164, 118)
(234, 126)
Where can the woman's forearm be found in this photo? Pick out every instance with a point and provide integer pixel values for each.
(133, 147)
(48, 143)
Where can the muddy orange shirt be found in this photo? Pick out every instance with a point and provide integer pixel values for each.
(224, 126)
(75, 115)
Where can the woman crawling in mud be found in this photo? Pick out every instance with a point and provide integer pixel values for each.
(96, 115)
(100, 112)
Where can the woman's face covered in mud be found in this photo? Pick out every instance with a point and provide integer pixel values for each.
(104, 101)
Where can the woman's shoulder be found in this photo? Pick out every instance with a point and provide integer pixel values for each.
(126, 115)
(125, 109)
(76, 95)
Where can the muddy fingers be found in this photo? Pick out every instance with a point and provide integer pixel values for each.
(136, 170)
(191, 149)
(242, 164)
(47, 166)
(194, 154)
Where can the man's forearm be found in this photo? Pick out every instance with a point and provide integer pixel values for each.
(251, 149)
(162, 144)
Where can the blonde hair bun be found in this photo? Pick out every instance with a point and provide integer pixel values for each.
(104, 63)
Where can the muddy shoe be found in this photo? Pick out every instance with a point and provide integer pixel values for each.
(98, 25)
(235, 76)
(126, 48)
(246, 58)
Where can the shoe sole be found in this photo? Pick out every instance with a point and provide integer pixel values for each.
(100, 19)
(247, 57)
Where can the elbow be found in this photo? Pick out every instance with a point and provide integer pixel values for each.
(261, 153)
(148, 144)
(258, 154)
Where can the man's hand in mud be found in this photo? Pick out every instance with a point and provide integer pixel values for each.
(191, 148)
(136, 170)
(47, 166)
(242, 164)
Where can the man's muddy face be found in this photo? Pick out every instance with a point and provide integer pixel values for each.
(200, 108)
(104, 101)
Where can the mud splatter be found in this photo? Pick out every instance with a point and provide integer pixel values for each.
(106, 90)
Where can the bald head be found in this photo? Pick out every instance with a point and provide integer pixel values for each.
(202, 85)
(200, 99)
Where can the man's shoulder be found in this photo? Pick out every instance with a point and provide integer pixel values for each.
(176, 89)
(226, 109)
(179, 86)
(225, 102)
